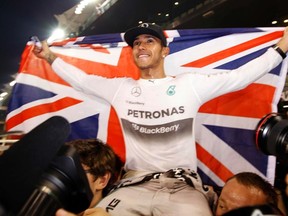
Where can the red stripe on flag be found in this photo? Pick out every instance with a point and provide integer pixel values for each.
(253, 101)
(115, 137)
(32, 65)
(214, 165)
(234, 50)
(124, 68)
(39, 110)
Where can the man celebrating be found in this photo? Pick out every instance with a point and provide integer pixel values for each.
(157, 114)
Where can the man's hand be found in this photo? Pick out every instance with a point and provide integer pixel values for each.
(283, 43)
(44, 52)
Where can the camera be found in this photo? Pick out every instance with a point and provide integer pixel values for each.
(272, 135)
(40, 173)
(62, 185)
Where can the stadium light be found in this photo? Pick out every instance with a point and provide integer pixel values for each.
(3, 94)
(80, 7)
(56, 35)
(12, 83)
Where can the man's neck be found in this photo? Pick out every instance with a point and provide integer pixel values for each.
(149, 74)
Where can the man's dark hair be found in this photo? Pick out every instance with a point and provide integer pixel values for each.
(252, 180)
(100, 158)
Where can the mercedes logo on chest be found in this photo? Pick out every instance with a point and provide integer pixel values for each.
(136, 91)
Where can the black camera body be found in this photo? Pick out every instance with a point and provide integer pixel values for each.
(272, 135)
(40, 174)
(62, 185)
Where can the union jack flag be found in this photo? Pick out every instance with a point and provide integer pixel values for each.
(224, 126)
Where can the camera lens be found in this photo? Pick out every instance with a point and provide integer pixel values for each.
(272, 135)
(63, 185)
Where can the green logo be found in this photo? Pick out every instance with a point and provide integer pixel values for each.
(171, 90)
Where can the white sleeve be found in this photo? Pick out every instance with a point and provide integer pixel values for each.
(211, 86)
(88, 84)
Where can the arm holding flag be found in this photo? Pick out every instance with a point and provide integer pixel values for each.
(77, 78)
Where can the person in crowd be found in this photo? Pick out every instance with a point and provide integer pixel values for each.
(259, 210)
(246, 189)
(102, 167)
(100, 163)
(157, 114)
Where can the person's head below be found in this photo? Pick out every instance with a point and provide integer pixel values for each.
(256, 210)
(101, 165)
(150, 48)
(245, 189)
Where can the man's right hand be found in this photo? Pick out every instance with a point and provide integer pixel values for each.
(44, 52)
